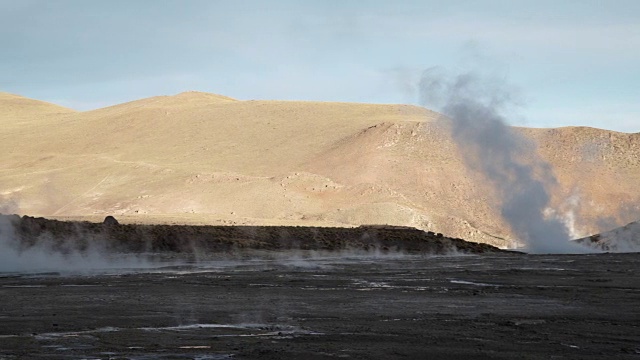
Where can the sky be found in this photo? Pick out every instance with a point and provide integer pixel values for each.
(568, 62)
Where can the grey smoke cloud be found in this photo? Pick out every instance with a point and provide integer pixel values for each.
(476, 106)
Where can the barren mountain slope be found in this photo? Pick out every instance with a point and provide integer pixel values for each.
(598, 173)
(418, 163)
(204, 158)
(17, 110)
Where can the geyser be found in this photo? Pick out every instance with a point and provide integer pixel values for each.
(475, 106)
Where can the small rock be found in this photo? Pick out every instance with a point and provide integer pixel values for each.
(110, 220)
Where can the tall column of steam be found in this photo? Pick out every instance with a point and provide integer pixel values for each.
(475, 106)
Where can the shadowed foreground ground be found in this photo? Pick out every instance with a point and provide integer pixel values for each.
(215, 292)
(473, 307)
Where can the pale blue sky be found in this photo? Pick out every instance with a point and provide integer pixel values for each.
(573, 62)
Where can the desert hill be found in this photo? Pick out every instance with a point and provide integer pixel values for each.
(18, 108)
(202, 158)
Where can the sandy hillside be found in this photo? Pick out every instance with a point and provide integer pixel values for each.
(205, 158)
(17, 110)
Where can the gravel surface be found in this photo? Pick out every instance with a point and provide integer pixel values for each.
(502, 306)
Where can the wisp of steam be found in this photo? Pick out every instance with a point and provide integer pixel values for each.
(476, 106)
(44, 257)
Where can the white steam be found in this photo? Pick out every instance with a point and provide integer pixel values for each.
(69, 256)
(476, 106)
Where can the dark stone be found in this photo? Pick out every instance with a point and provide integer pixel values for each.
(110, 220)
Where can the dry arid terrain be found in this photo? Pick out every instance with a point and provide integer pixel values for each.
(199, 158)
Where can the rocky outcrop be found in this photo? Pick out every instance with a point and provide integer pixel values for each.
(29, 231)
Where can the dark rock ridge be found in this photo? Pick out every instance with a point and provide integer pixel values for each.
(29, 231)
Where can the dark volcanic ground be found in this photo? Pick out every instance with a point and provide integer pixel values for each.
(500, 306)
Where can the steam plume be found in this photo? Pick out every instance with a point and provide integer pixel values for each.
(476, 105)
(73, 255)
